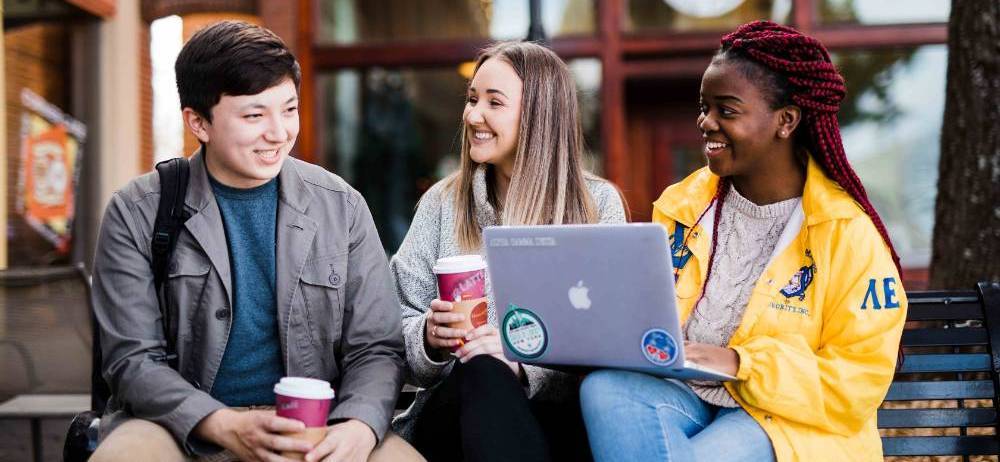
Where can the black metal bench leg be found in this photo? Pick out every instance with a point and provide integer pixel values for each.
(36, 439)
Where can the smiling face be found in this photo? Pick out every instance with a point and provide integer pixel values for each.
(249, 136)
(493, 114)
(738, 125)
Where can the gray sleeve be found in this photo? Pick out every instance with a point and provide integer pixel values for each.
(609, 203)
(132, 339)
(416, 286)
(371, 342)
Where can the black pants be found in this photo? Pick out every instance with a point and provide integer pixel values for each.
(481, 413)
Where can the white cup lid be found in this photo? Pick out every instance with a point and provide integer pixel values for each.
(459, 264)
(301, 387)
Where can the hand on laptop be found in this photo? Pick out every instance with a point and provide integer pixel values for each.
(437, 333)
(485, 339)
(722, 359)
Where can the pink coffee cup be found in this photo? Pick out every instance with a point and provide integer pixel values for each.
(303, 399)
(461, 277)
(462, 281)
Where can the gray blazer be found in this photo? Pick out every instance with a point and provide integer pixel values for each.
(338, 313)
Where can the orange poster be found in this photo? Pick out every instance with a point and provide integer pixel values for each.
(48, 189)
(50, 151)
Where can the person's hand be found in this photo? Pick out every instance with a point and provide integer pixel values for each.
(722, 359)
(254, 436)
(437, 333)
(350, 441)
(485, 340)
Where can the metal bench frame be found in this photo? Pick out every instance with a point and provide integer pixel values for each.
(952, 346)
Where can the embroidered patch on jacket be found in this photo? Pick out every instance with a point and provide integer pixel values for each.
(800, 280)
(679, 251)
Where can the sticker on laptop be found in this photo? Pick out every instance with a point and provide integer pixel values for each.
(523, 332)
(659, 347)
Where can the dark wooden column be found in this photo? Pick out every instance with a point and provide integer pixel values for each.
(612, 91)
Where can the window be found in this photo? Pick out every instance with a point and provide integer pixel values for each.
(393, 133)
(891, 126)
(883, 12)
(346, 22)
(700, 15)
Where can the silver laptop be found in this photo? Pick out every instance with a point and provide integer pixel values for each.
(581, 297)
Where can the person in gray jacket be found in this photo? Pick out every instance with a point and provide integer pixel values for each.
(279, 271)
(521, 163)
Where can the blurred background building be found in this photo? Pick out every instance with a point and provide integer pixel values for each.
(382, 97)
(384, 87)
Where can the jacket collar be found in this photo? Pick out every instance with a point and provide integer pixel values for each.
(822, 198)
(292, 188)
(295, 230)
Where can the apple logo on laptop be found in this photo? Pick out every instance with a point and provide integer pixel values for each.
(578, 296)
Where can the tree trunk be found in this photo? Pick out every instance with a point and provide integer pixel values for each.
(967, 213)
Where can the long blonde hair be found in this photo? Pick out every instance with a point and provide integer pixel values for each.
(548, 184)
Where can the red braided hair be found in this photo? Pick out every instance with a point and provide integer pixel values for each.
(797, 70)
(804, 76)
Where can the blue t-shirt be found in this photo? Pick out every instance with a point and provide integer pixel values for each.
(252, 363)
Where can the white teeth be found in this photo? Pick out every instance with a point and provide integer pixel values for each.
(268, 154)
(483, 135)
(713, 145)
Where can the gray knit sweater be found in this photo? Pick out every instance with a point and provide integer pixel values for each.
(748, 234)
(432, 236)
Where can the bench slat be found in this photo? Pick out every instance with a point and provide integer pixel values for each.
(971, 362)
(942, 312)
(39, 406)
(918, 297)
(970, 389)
(936, 418)
(964, 336)
(939, 445)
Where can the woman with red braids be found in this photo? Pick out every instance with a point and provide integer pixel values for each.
(785, 278)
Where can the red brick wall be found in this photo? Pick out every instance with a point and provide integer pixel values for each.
(145, 101)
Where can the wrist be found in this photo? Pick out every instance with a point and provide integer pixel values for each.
(361, 428)
(213, 427)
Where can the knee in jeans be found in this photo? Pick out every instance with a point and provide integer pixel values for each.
(600, 383)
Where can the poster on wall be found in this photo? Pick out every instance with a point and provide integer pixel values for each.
(51, 147)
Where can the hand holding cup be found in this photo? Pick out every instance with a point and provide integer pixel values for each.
(438, 331)
(461, 305)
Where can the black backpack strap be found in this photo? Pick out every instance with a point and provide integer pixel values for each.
(170, 217)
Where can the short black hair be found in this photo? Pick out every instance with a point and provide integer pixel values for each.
(231, 58)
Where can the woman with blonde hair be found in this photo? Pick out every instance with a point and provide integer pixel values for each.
(521, 164)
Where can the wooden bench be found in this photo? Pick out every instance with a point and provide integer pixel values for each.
(35, 408)
(943, 400)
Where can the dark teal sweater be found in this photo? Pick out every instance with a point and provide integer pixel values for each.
(252, 363)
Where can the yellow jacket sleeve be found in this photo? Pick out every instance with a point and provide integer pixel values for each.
(837, 386)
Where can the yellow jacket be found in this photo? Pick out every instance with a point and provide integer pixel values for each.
(819, 337)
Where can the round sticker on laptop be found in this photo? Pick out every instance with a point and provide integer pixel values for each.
(524, 333)
(659, 347)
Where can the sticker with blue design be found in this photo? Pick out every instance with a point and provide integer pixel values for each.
(679, 251)
(659, 347)
(523, 332)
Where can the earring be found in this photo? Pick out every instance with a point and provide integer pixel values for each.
(784, 133)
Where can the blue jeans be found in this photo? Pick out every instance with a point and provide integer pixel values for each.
(637, 417)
